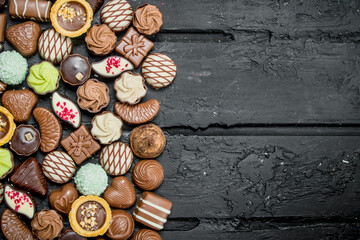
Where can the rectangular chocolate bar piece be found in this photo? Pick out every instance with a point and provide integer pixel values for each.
(152, 210)
(37, 10)
(80, 145)
(134, 46)
(2, 26)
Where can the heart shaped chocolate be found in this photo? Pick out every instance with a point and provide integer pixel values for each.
(20, 103)
(61, 199)
(24, 37)
(121, 193)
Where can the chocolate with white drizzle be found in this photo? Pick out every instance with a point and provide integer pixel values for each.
(38, 10)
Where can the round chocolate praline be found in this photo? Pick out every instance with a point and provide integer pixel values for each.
(85, 212)
(70, 21)
(75, 69)
(25, 141)
(69, 234)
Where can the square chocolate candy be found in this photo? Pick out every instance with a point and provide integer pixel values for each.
(80, 145)
(134, 46)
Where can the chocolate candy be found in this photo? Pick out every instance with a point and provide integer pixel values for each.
(130, 88)
(116, 159)
(24, 37)
(6, 162)
(25, 141)
(158, 70)
(20, 103)
(121, 226)
(148, 174)
(117, 14)
(2, 3)
(112, 66)
(19, 201)
(66, 109)
(138, 114)
(47, 224)
(50, 129)
(134, 46)
(121, 193)
(106, 127)
(58, 167)
(75, 69)
(95, 4)
(38, 10)
(2, 27)
(147, 141)
(69, 22)
(93, 96)
(13, 228)
(2, 87)
(100, 40)
(152, 210)
(148, 19)
(1, 192)
(69, 234)
(53, 46)
(28, 175)
(80, 145)
(62, 198)
(146, 234)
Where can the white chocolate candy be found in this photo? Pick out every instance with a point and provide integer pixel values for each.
(117, 14)
(54, 47)
(106, 127)
(19, 202)
(130, 88)
(112, 66)
(66, 109)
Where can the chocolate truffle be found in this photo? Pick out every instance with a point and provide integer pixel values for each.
(148, 174)
(122, 225)
(75, 69)
(25, 141)
(62, 198)
(147, 141)
(47, 224)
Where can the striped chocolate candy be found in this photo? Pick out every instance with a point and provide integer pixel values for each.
(58, 166)
(152, 210)
(116, 159)
(117, 14)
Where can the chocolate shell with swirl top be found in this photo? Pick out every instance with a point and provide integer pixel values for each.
(148, 174)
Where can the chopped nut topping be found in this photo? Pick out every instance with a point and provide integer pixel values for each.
(29, 137)
(89, 220)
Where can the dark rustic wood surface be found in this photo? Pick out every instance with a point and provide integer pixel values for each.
(262, 121)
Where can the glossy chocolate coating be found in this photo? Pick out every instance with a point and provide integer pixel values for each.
(122, 225)
(73, 65)
(4, 125)
(69, 234)
(79, 19)
(26, 140)
(61, 199)
(100, 215)
(2, 26)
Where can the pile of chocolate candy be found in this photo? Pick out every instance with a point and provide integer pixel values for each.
(89, 214)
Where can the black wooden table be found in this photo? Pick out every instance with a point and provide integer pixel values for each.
(262, 121)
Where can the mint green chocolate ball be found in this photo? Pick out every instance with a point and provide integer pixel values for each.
(91, 179)
(13, 68)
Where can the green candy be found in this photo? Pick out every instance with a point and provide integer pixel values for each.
(5, 161)
(13, 68)
(43, 78)
(91, 179)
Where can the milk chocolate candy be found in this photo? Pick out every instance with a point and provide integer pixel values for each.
(28, 175)
(13, 228)
(148, 174)
(19, 201)
(58, 167)
(25, 141)
(121, 193)
(121, 226)
(38, 10)
(50, 129)
(138, 114)
(95, 4)
(61, 199)
(116, 158)
(24, 37)
(69, 234)
(20, 103)
(2, 26)
(152, 210)
(117, 14)
(146, 234)
(1, 192)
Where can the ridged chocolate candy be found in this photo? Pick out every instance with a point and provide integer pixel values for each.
(116, 159)
(146, 234)
(20, 103)
(121, 193)
(58, 166)
(138, 114)
(13, 228)
(148, 174)
(122, 225)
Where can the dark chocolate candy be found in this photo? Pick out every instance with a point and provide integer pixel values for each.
(28, 175)
(69, 234)
(134, 46)
(38, 10)
(95, 4)
(75, 69)
(2, 26)
(75, 22)
(2, 3)
(26, 140)
(80, 145)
